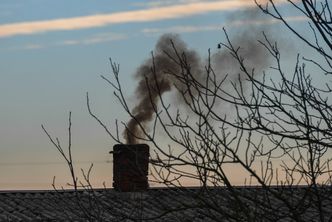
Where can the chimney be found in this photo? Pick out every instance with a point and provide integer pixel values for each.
(130, 167)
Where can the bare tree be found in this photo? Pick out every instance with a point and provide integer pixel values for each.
(272, 124)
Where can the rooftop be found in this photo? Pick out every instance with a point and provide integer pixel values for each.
(164, 204)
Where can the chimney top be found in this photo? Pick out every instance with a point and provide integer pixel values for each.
(130, 167)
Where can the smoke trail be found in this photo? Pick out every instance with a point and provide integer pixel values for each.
(254, 54)
(147, 92)
(222, 62)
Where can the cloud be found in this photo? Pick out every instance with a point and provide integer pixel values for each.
(145, 15)
(161, 3)
(95, 39)
(181, 29)
(269, 21)
(33, 46)
(238, 23)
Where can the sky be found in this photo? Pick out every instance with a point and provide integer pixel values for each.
(53, 52)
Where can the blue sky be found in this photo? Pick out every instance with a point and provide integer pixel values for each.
(53, 52)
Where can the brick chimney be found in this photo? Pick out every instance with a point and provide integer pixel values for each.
(130, 167)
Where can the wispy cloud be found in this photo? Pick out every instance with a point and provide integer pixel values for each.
(161, 3)
(238, 23)
(145, 15)
(181, 29)
(33, 46)
(91, 40)
(95, 39)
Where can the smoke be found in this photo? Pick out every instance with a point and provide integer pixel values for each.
(246, 38)
(153, 83)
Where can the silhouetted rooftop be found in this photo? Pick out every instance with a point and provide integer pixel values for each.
(158, 204)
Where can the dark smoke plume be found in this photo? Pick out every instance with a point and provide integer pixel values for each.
(223, 63)
(147, 91)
